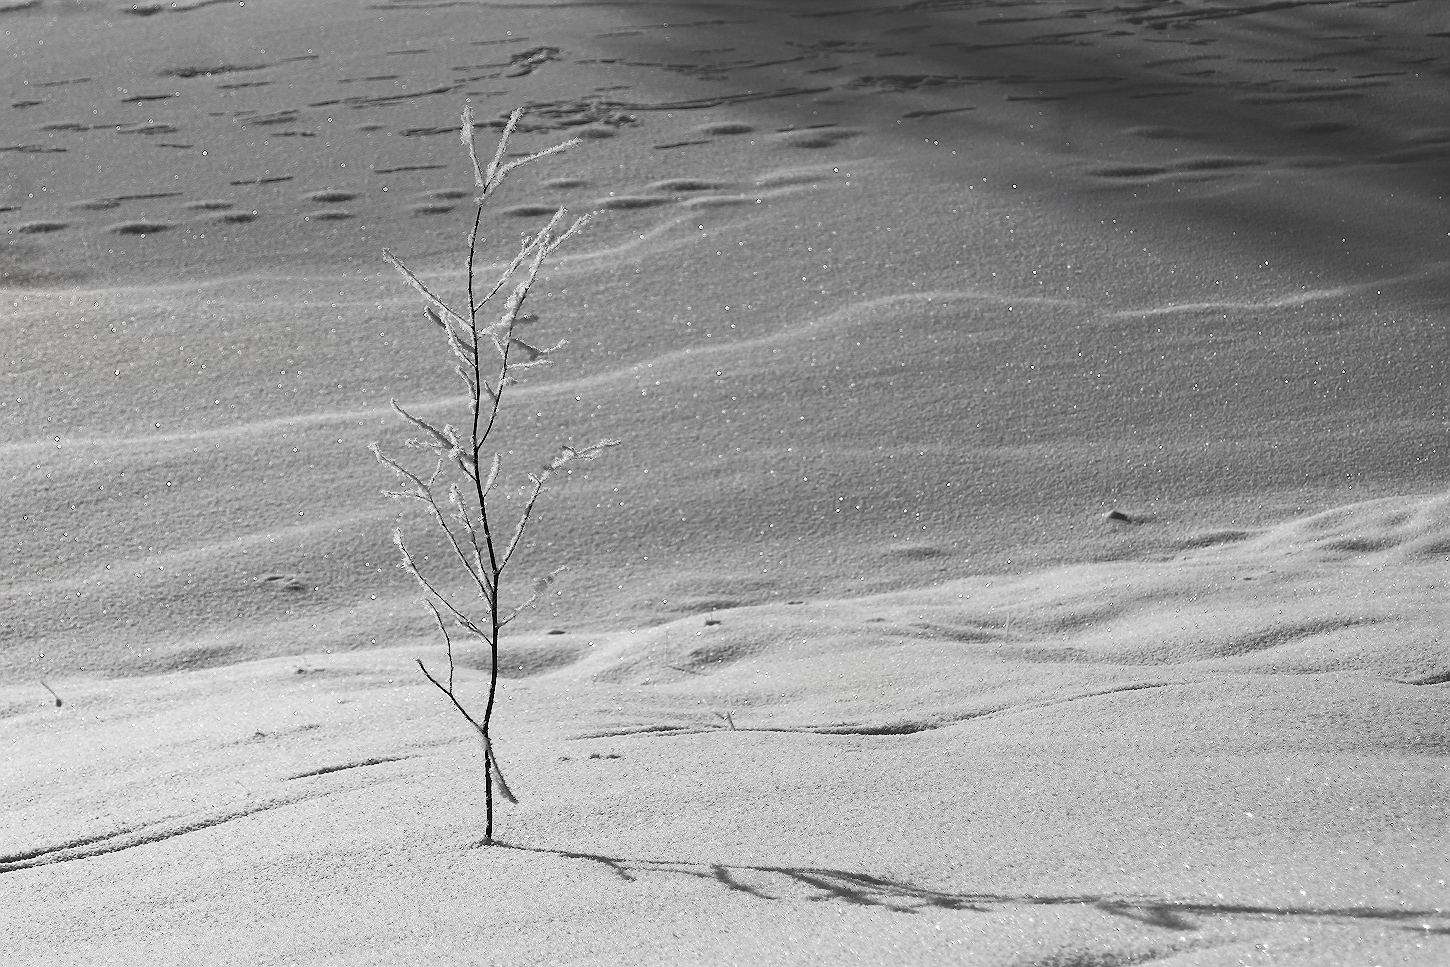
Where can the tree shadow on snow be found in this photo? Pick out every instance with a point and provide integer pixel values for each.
(817, 884)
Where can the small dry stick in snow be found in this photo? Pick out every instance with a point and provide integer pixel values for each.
(456, 494)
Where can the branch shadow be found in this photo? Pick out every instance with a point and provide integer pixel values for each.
(824, 884)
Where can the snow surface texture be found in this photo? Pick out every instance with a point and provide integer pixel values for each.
(1029, 547)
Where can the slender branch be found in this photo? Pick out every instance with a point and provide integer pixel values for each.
(412, 568)
(469, 513)
(563, 146)
(418, 284)
(540, 586)
(486, 180)
(525, 249)
(481, 385)
(494, 768)
(495, 772)
(480, 578)
(455, 498)
(524, 517)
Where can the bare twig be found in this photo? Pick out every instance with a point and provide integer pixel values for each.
(490, 759)
(473, 533)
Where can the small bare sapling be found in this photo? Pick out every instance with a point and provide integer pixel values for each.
(458, 493)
